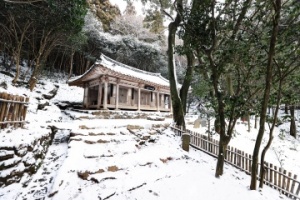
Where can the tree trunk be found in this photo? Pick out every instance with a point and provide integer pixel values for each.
(178, 114)
(217, 126)
(256, 118)
(229, 84)
(264, 106)
(17, 61)
(87, 65)
(12, 60)
(208, 123)
(187, 80)
(33, 79)
(293, 131)
(71, 64)
(249, 122)
(221, 158)
(263, 154)
(286, 108)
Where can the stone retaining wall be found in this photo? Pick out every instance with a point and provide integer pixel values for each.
(26, 158)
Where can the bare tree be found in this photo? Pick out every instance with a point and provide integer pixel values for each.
(17, 32)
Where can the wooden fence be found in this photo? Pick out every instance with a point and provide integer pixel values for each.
(274, 177)
(13, 110)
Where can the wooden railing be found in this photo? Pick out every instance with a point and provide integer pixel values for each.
(13, 110)
(274, 177)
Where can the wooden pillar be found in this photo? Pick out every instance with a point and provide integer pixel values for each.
(105, 95)
(139, 98)
(162, 103)
(85, 97)
(117, 94)
(99, 95)
(157, 100)
(170, 104)
(128, 97)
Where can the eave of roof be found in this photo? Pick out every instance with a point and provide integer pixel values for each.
(120, 68)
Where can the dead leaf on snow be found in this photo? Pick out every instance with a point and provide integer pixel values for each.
(84, 127)
(99, 171)
(89, 142)
(83, 175)
(102, 141)
(113, 168)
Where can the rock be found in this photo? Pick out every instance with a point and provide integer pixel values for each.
(152, 140)
(145, 137)
(155, 118)
(52, 194)
(94, 180)
(5, 155)
(51, 94)
(134, 127)
(203, 123)
(3, 85)
(7, 74)
(152, 132)
(197, 123)
(41, 106)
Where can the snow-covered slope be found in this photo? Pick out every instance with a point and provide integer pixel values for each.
(107, 159)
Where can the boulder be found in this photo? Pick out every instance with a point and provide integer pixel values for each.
(197, 123)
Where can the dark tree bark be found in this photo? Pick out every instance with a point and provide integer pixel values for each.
(255, 124)
(263, 154)
(293, 131)
(71, 63)
(187, 80)
(286, 108)
(266, 96)
(178, 114)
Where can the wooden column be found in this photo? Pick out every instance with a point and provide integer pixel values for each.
(85, 96)
(157, 100)
(105, 95)
(117, 94)
(139, 98)
(129, 97)
(162, 101)
(99, 94)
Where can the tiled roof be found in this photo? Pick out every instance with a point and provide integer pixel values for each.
(120, 68)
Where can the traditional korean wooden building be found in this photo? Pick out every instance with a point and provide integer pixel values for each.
(109, 84)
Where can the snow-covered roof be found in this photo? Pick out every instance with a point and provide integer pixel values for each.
(119, 68)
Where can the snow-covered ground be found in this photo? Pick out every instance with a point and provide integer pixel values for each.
(284, 151)
(107, 159)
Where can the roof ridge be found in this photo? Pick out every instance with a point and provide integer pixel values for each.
(130, 67)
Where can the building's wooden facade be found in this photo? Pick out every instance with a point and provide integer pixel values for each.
(109, 84)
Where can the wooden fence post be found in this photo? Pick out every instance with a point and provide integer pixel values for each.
(186, 141)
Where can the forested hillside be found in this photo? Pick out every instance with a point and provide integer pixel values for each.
(68, 36)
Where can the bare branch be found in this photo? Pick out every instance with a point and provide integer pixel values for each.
(24, 1)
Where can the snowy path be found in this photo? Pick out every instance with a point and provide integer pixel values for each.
(42, 182)
(142, 161)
